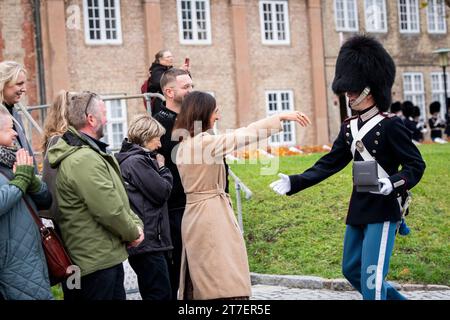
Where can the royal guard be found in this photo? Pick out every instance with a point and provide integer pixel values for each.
(365, 72)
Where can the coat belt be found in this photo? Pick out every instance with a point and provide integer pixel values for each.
(194, 197)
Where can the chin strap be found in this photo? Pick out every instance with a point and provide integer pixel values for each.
(361, 97)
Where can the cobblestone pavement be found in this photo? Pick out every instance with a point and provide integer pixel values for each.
(265, 292)
(276, 287)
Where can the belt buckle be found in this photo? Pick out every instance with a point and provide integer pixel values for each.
(359, 146)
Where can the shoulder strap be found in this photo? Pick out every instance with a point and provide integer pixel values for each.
(358, 135)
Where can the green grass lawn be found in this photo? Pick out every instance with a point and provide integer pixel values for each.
(303, 234)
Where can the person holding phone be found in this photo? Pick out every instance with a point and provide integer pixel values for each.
(163, 62)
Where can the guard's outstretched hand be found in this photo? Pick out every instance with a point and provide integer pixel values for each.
(386, 187)
(281, 186)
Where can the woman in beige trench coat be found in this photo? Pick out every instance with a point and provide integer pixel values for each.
(214, 261)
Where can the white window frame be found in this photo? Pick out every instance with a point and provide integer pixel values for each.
(111, 121)
(101, 9)
(434, 18)
(282, 141)
(346, 27)
(375, 12)
(437, 89)
(409, 6)
(275, 22)
(416, 92)
(194, 40)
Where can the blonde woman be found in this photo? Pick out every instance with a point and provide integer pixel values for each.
(55, 125)
(13, 77)
(148, 183)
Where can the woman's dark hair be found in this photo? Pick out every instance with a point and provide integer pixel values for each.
(198, 107)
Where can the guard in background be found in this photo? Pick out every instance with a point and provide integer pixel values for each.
(366, 73)
(437, 124)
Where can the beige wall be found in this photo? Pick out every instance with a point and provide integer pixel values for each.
(110, 69)
(279, 67)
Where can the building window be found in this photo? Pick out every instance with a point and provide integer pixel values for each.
(102, 22)
(376, 20)
(346, 15)
(436, 16)
(116, 127)
(194, 21)
(437, 89)
(408, 11)
(276, 102)
(274, 18)
(413, 91)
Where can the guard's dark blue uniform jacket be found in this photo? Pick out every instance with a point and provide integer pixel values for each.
(389, 142)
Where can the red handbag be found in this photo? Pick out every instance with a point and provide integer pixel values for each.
(58, 261)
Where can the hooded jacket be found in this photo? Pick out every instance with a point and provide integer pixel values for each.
(148, 188)
(96, 220)
(23, 268)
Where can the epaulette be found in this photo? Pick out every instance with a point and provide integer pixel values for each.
(388, 114)
(350, 118)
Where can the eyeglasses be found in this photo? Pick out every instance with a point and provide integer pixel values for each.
(81, 96)
(87, 104)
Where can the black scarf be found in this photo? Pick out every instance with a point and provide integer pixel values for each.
(8, 156)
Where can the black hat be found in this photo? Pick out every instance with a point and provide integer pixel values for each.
(396, 107)
(435, 107)
(416, 111)
(363, 62)
(408, 109)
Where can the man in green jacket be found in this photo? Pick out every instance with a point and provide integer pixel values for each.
(96, 221)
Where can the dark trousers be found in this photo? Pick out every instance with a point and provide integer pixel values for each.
(153, 275)
(174, 258)
(106, 284)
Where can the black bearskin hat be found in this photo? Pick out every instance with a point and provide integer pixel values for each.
(408, 109)
(363, 62)
(396, 107)
(435, 107)
(416, 111)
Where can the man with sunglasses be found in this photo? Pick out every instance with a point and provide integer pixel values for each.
(96, 221)
(365, 72)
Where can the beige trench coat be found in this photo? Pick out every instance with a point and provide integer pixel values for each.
(213, 246)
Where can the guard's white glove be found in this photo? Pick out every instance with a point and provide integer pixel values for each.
(386, 187)
(281, 186)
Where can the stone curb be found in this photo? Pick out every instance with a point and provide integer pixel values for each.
(312, 282)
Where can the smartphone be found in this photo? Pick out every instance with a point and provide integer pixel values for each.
(186, 61)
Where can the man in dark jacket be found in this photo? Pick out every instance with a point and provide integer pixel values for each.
(148, 183)
(176, 83)
(366, 73)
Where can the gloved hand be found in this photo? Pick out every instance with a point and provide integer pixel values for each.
(386, 187)
(281, 186)
(22, 177)
(35, 184)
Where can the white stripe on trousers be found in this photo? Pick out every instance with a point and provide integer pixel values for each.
(381, 257)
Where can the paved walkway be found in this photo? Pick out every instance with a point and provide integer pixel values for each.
(265, 292)
(276, 287)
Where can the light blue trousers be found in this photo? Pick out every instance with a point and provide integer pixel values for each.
(365, 264)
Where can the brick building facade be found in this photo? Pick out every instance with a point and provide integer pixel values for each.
(256, 56)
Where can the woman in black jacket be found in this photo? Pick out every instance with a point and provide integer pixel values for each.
(163, 62)
(148, 183)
